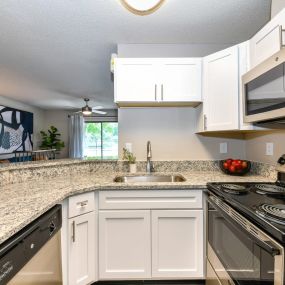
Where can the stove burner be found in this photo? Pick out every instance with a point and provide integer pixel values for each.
(275, 213)
(269, 189)
(234, 188)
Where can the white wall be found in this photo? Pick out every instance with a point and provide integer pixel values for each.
(168, 50)
(59, 119)
(172, 134)
(38, 115)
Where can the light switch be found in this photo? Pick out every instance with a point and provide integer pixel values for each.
(269, 148)
(224, 147)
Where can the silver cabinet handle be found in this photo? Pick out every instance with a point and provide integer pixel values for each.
(155, 92)
(83, 203)
(205, 122)
(282, 37)
(162, 92)
(73, 231)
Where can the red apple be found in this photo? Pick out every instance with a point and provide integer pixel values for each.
(229, 161)
(244, 164)
(232, 169)
(225, 165)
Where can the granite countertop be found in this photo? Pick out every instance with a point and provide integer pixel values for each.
(21, 203)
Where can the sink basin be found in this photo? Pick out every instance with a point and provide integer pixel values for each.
(149, 178)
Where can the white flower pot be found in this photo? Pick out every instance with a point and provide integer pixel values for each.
(133, 168)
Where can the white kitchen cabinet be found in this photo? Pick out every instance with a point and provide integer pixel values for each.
(269, 40)
(222, 108)
(181, 80)
(81, 249)
(221, 90)
(157, 81)
(124, 244)
(151, 234)
(155, 199)
(177, 244)
(135, 80)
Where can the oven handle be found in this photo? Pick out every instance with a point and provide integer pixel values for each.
(266, 245)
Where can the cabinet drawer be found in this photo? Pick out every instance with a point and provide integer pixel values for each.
(157, 199)
(81, 204)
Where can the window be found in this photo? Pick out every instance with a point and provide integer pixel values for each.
(101, 140)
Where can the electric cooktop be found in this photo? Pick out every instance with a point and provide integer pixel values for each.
(262, 203)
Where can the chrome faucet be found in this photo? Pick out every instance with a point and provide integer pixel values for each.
(149, 166)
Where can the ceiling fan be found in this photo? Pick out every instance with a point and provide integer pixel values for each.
(88, 111)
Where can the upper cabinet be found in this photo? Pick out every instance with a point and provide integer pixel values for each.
(221, 90)
(180, 80)
(222, 108)
(269, 40)
(157, 82)
(135, 80)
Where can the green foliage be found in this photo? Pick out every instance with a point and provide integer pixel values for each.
(129, 156)
(101, 140)
(51, 139)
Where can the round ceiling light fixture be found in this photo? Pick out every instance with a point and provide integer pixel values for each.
(142, 7)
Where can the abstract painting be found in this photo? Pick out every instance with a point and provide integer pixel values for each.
(16, 130)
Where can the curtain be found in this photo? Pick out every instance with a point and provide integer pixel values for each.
(76, 124)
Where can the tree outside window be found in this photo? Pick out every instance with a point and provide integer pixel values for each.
(101, 140)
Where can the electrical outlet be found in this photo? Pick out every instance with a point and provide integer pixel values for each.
(269, 148)
(224, 147)
(129, 146)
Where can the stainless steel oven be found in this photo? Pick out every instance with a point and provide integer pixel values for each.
(238, 252)
(264, 90)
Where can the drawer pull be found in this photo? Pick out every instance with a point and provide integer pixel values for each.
(73, 231)
(282, 37)
(83, 203)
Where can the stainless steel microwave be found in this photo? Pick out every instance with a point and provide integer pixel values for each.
(264, 90)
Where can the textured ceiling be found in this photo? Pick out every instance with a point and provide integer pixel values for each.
(53, 52)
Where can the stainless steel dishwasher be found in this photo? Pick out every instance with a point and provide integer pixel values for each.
(33, 255)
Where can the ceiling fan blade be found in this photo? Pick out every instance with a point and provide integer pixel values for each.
(99, 112)
(97, 107)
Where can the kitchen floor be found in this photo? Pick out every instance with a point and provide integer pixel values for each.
(153, 282)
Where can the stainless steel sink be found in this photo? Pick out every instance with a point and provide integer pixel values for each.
(149, 178)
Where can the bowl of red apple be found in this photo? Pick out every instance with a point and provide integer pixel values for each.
(235, 166)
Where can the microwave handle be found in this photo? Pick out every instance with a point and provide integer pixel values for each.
(282, 37)
(266, 245)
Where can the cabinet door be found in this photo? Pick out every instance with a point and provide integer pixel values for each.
(177, 244)
(180, 80)
(221, 90)
(82, 241)
(135, 80)
(124, 245)
(268, 40)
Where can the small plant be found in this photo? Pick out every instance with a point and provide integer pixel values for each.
(129, 156)
(51, 139)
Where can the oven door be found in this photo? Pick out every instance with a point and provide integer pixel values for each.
(238, 252)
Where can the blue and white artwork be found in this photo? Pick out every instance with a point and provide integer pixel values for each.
(16, 130)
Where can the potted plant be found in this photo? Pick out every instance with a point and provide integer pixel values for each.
(51, 139)
(129, 156)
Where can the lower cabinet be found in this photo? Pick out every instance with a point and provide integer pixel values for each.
(133, 235)
(81, 248)
(124, 244)
(143, 244)
(177, 243)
